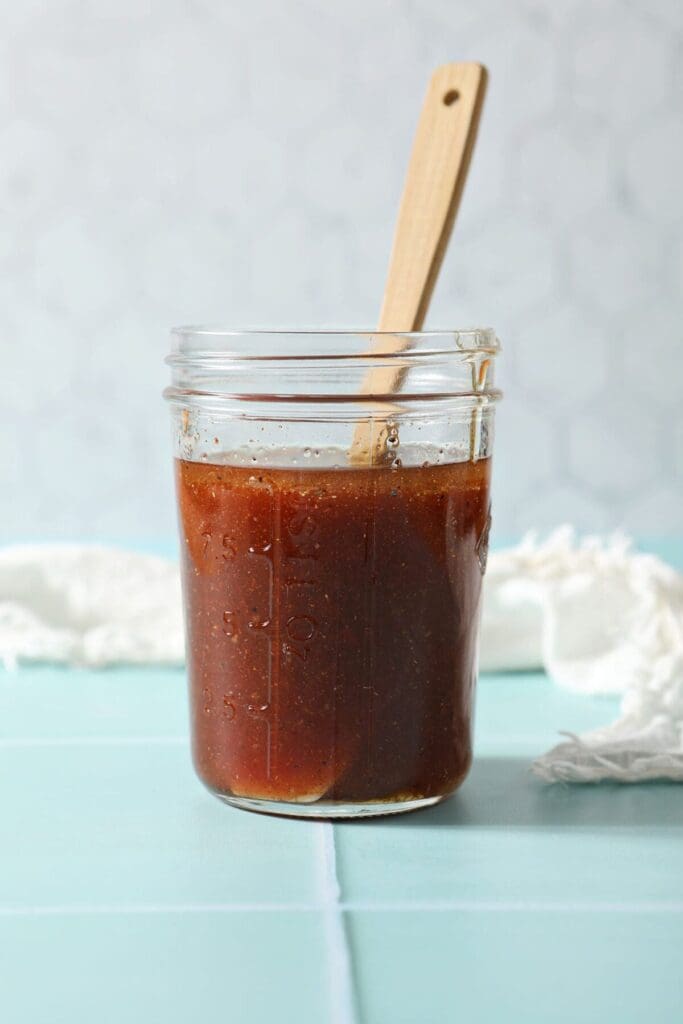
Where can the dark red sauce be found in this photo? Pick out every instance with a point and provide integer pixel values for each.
(332, 620)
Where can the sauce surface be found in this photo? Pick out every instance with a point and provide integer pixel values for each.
(332, 619)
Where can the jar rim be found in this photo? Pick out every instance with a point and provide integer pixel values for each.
(200, 342)
(331, 367)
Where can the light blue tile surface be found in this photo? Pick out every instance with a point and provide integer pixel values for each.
(523, 713)
(128, 893)
(45, 702)
(236, 968)
(493, 967)
(507, 837)
(89, 824)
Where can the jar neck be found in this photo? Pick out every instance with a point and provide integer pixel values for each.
(319, 368)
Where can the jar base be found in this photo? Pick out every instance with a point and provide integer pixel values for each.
(330, 811)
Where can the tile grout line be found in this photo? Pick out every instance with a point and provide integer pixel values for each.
(339, 907)
(114, 909)
(341, 987)
(520, 907)
(90, 741)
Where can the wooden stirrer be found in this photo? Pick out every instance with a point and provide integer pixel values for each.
(439, 162)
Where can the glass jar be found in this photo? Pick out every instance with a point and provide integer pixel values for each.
(333, 493)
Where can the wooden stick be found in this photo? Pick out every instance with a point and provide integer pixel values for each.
(439, 162)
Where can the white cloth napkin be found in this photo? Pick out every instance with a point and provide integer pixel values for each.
(90, 606)
(596, 616)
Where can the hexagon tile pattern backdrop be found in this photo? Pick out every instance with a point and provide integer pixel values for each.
(206, 160)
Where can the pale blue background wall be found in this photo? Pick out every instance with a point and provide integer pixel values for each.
(184, 160)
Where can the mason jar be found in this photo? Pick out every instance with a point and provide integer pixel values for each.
(334, 511)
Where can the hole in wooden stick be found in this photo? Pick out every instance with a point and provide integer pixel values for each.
(450, 97)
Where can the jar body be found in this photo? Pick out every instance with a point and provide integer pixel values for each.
(332, 605)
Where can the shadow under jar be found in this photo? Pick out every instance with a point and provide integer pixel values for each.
(331, 601)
